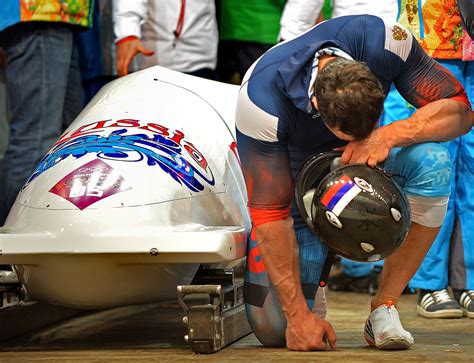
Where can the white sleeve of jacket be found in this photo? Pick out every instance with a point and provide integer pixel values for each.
(298, 16)
(128, 17)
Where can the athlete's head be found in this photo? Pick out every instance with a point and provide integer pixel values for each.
(349, 98)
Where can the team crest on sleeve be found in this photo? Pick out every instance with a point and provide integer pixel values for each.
(398, 40)
(398, 33)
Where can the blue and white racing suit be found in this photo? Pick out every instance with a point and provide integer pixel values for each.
(278, 128)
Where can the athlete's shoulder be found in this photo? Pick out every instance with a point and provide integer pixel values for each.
(370, 36)
(398, 40)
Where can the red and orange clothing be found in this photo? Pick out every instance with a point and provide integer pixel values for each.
(75, 12)
(436, 25)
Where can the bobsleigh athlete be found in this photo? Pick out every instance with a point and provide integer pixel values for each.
(320, 91)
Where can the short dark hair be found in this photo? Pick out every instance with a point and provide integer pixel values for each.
(349, 96)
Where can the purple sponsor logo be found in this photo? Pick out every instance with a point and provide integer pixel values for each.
(89, 184)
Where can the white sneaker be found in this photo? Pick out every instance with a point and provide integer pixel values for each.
(384, 330)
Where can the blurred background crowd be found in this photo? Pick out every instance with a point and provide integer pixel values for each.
(56, 54)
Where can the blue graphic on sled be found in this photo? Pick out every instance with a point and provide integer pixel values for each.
(157, 150)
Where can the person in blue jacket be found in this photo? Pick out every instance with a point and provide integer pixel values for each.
(323, 90)
(43, 81)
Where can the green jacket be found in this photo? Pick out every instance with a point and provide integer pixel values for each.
(251, 20)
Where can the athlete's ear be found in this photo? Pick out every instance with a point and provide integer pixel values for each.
(315, 102)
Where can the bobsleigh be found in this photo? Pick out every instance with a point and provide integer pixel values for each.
(141, 190)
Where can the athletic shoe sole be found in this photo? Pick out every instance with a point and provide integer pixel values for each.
(387, 343)
(469, 314)
(390, 343)
(394, 344)
(441, 314)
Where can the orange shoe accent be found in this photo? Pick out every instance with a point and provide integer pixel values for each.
(383, 300)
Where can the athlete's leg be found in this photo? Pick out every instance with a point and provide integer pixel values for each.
(312, 257)
(433, 272)
(423, 171)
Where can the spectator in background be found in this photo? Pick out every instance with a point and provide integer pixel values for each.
(180, 35)
(43, 81)
(3, 108)
(247, 30)
(91, 58)
(450, 261)
(300, 15)
(4, 126)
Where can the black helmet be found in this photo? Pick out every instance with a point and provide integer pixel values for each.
(358, 211)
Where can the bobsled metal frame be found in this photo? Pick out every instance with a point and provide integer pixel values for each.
(218, 322)
(11, 291)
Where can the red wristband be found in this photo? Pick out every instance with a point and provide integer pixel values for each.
(126, 39)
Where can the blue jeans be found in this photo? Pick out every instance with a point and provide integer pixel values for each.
(3, 118)
(91, 58)
(44, 85)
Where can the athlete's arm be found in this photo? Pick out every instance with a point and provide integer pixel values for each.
(279, 250)
(444, 111)
(440, 120)
(269, 184)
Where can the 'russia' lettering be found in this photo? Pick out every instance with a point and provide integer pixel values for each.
(177, 136)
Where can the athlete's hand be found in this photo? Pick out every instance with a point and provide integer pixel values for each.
(372, 150)
(126, 51)
(308, 332)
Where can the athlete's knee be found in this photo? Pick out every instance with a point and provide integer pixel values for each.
(262, 306)
(428, 211)
(426, 170)
(267, 322)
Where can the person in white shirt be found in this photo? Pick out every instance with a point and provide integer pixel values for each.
(180, 35)
(300, 15)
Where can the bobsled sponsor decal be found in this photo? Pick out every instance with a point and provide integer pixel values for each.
(90, 183)
(338, 196)
(165, 148)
